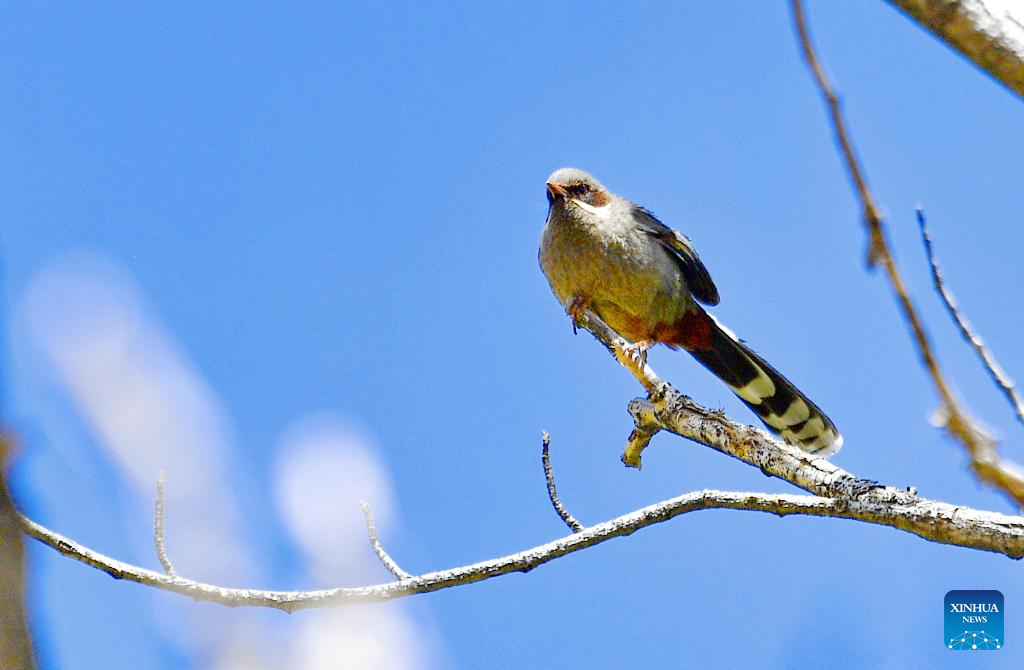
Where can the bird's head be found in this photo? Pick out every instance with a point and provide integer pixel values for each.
(571, 188)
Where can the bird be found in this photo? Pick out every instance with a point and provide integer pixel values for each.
(603, 253)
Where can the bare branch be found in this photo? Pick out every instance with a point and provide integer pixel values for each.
(158, 527)
(932, 520)
(549, 476)
(378, 548)
(984, 453)
(958, 423)
(984, 31)
(872, 217)
(988, 359)
(646, 426)
(838, 494)
(667, 409)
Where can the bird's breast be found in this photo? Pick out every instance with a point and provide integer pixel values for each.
(625, 276)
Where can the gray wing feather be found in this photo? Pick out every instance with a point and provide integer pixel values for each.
(679, 247)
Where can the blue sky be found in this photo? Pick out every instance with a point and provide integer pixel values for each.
(323, 220)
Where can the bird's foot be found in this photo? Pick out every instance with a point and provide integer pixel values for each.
(639, 349)
(575, 309)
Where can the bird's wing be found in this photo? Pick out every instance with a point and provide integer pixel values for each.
(682, 252)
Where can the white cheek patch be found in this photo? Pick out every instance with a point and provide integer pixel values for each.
(603, 212)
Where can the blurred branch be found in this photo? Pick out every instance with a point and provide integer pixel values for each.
(878, 248)
(958, 423)
(15, 641)
(984, 31)
(549, 476)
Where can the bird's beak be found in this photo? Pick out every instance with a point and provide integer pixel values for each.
(556, 191)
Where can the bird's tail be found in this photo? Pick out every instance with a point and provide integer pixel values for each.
(779, 404)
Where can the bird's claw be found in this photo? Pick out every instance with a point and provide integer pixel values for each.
(638, 350)
(575, 309)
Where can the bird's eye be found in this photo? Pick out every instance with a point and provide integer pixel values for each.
(579, 189)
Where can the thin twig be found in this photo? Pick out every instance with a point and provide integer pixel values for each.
(378, 548)
(958, 423)
(995, 371)
(158, 528)
(549, 476)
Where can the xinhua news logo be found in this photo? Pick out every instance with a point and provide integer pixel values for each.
(974, 620)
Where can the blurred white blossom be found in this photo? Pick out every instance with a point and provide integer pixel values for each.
(148, 406)
(326, 468)
(150, 409)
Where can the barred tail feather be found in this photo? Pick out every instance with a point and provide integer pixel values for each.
(779, 404)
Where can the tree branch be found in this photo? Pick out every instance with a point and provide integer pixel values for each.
(646, 426)
(158, 528)
(985, 458)
(935, 521)
(988, 359)
(378, 548)
(981, 30)
(872, 217)
(665, 408)
(549, 476)
(957, 422)
(839, 494)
